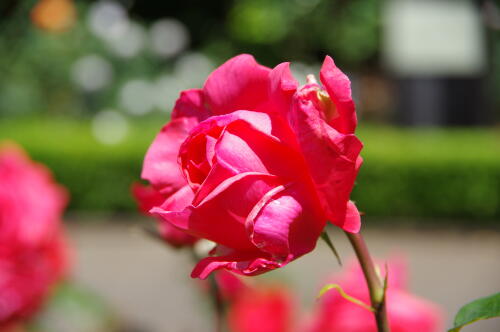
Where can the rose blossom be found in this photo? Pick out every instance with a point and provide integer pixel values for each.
(257, 164)
(32, 246)
(406, 312)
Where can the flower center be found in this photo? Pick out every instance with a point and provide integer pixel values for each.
(320, 98)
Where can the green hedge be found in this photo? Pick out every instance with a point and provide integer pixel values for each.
(452, 173)
(97, 176)
(430, 173)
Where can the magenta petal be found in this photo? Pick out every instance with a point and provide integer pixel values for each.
(239, 84)
(176, 237)
(259, 121)
(160, 164)
(191, 103)
(201, 144)
(287, 224)
(177, 202)
(243, 263)
(146, 196)
(220, 216)
(338, 86)
(331, 157)
(242, 148)
(282, 87)
(180, 200)
(352, 221)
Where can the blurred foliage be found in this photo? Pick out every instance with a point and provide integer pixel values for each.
(437, 173)
(453, 173)
(38, 65)
(434, 173)
(97, 176)
(73, 308)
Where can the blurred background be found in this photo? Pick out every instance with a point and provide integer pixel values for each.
(86, 85)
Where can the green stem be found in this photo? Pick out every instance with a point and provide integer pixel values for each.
(375, 285)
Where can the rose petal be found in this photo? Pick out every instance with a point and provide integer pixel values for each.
(331, 157)
(191, 103)
(176, 237)
(352, 220)
(221, 215)
(241, 262)
(243, 148)
(146, 196)
(160, 164)
(287, 225)
(282, 87)
(338, 86)
(179, 200)
(199, 146)
(239, 84)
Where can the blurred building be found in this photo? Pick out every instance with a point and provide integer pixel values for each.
(436, 53)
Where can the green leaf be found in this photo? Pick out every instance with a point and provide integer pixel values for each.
(326, 238)
(349, 298)
(483, 308)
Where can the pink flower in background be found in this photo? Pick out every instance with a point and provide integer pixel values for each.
(31, 203)
(262, 309)
(263, 164)
(33, 253)
(230, 286)
(148, 197)
(406, 312)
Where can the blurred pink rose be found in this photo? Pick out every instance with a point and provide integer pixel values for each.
(33, 253)
(262, 309)
(31, 202)
(148, 197)
(406, 312)
(264, 164)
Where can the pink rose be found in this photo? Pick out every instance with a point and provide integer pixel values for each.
(33, 254)
(406, 312)
(262, 309)
(147, 197)
(263, 164)
(31, 203)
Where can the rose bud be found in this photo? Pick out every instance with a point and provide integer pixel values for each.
(33, 253)
(257, 164)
